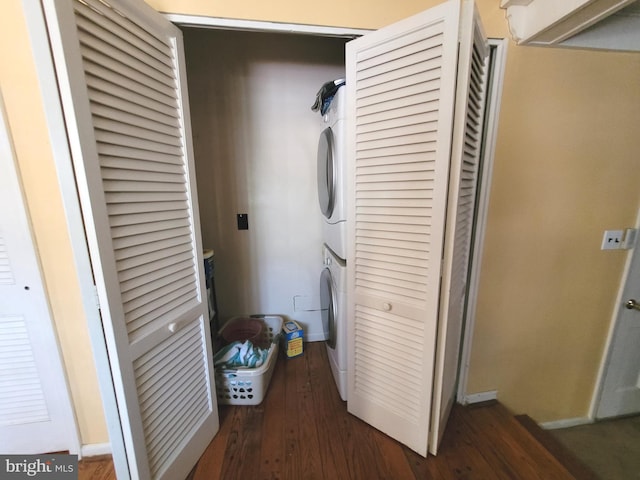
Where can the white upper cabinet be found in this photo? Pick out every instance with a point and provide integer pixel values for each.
(598, 24)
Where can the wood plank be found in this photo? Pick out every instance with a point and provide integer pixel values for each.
(273, 450)
(328, 405)
(210, 464)
(293, 459)
(520, 456)
(308, 418)
(457, 456)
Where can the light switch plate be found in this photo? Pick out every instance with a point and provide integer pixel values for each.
(612, 240)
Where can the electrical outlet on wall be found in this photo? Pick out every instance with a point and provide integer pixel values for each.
(612, 240)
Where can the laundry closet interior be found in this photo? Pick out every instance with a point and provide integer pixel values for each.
(255, 142)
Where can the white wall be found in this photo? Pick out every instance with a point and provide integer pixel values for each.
(255, 140)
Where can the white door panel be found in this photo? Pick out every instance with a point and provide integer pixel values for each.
(407, 127)
(35, 409)
(121, 74)
(621, 386)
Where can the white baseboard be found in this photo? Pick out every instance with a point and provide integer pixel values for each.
(566, 423)
(480, 397)
(95, 449)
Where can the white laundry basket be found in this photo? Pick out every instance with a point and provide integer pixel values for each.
(244, 385)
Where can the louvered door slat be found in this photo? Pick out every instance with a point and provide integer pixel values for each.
(101, 100)
(151, 88)
(156, 124)
(140, 96)
(129, 266)
(133, 115)
(6, 276)
(154, 295)
(141, 290)
(118, 209)
(148, 217)
(142, 186)
(134, 150)
(108, 125)
(143, 42)
(126, 164)
(101, 58)
(141, 254)
(113, 18)
(134, 154)
(161, 266)
(121, 40)
(18, 366)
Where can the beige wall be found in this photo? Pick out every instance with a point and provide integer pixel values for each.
(28, 128)
(255, 93)
(565, 145)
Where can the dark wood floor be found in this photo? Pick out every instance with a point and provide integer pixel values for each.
(302, 431)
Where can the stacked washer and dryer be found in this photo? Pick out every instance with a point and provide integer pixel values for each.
(331, 196)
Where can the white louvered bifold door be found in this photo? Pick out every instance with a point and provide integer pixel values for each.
(121, 75)
(401, 90)
(465, 159)
(35, 408)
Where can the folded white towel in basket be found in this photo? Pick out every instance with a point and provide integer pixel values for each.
(240, 354)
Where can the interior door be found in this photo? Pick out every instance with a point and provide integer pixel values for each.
(35, 409)
(121, 76)
(401, 104)
(621, 386)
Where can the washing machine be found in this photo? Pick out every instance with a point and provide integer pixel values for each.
(331, 175)
(333, 293)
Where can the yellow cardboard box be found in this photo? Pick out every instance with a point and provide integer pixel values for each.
(292, 338)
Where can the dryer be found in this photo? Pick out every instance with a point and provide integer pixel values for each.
(331, 175)
(333, 292)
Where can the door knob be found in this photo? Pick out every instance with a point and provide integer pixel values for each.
(632, 305)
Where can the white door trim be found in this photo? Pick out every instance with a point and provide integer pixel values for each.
(499, 46)
(263, 26)
(66, 179)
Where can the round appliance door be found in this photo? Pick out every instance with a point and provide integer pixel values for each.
(328, 307)
(326, 173)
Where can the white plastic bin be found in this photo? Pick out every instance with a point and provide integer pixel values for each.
(244, 385)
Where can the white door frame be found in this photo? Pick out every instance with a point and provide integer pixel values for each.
(499, 52)
(499, 48)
